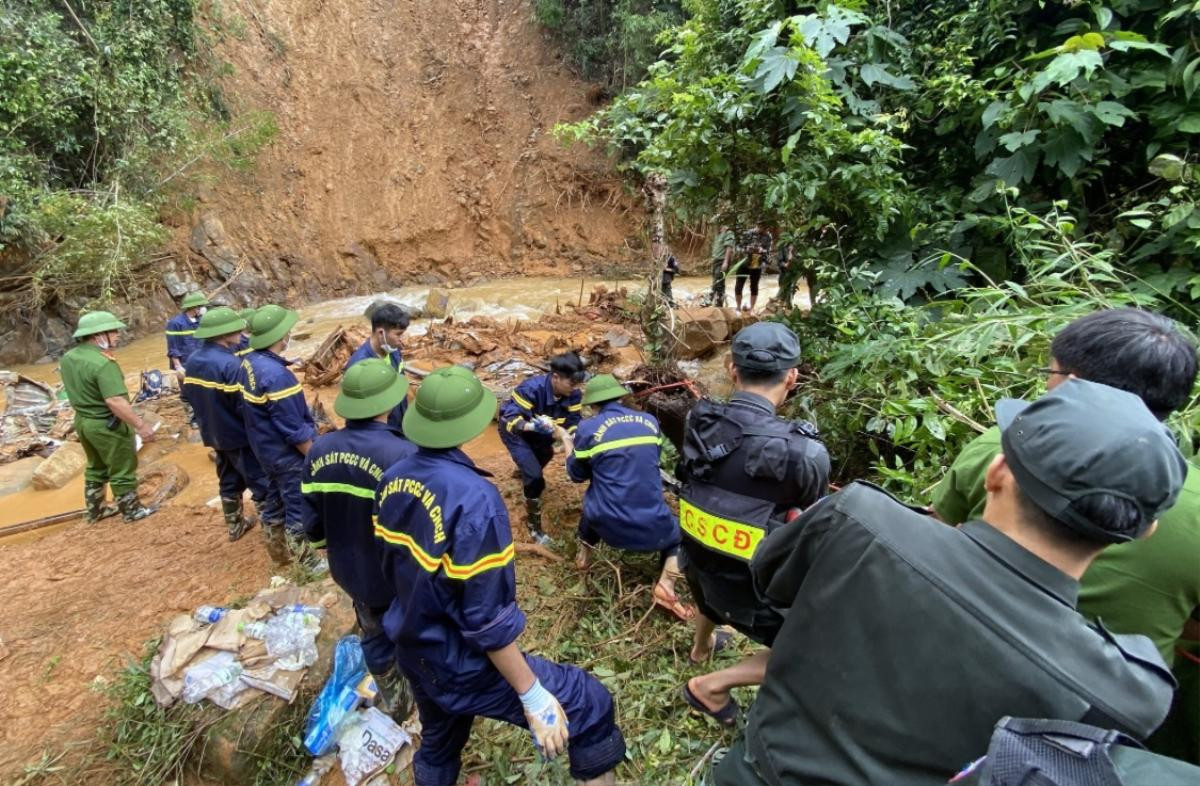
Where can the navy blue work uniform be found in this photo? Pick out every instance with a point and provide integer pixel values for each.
(243, 347)
(532, 451)
(366, 352)
(211, 387)
(181, 339)
(341, 472)
(618, 450)
(277, 420)
(449, 555)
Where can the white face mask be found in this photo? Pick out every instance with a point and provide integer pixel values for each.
(384, 345)
(103, 341)
(202, 311)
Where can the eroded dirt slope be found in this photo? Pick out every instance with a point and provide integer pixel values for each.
(414, 133)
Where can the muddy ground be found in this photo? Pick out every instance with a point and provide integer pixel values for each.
(82, 601)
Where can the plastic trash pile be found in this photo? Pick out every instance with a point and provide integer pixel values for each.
(231, 656)
(369, 744)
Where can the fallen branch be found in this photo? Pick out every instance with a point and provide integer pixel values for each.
(949, 409)
(538, 551)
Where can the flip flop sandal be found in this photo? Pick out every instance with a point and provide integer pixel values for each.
(670, 603)
(721, 640)
(726, 716)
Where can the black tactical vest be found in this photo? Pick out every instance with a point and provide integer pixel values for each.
(739, 473)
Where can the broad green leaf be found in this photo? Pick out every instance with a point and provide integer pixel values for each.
(993, 112)
(1077, 116)
(1017, 139)
(1125, 46)
(1065, 68)
(1168, 167)
(1189, 124)
(777, 65)
(1087, 41)
(1104, 17)
(1113, 114)
(1014, 169)
(1177, 214)
(874, 73)
(1065, 151)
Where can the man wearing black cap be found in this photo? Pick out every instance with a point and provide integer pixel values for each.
(743, 469)
(905, 641)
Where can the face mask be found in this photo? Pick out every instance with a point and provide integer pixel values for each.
(384, 345)
(202, 311)
(103, 342)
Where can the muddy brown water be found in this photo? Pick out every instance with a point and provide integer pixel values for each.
(515, 299)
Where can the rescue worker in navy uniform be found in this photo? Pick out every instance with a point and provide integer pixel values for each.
(341, 472)
(618, 451)
(181, 330)
(904, 641)
(211, 387)
(449, 555)
(527, 426)
(743, 470)
(388, 323)
(279, 426)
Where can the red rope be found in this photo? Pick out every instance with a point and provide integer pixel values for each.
(687, 383)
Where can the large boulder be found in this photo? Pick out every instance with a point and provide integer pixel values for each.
(698, 331)
(437, 303)
(64, 464)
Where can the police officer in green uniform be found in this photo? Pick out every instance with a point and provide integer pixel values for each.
(743, 469)
(723, 247)
(104, 419)
(904, 641)
(1149, 586)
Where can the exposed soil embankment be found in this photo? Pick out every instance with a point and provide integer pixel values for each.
(414, 146)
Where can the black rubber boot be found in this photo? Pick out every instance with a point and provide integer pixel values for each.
(276, 542)
(395, 696)
(132, 508)
(97, 506)
(302, 553)
(533, 517)
(237, 523)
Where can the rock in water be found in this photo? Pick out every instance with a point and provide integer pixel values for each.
(64, 464)
(436, 303)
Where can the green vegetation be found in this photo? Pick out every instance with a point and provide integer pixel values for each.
(611, 41)
(107, 110)
(958, 181)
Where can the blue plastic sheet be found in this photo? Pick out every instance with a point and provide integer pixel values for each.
(337, 698)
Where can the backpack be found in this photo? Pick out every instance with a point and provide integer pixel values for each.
(1035, 752)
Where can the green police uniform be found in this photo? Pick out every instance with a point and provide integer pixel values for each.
(904, 640)
(1150, 586)
(722, 241)
(90, 376)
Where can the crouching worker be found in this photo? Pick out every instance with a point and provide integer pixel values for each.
(527, 425)
(341, 473)
(618, 450)
(449, 555)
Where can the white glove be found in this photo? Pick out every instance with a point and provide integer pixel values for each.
(547, 721)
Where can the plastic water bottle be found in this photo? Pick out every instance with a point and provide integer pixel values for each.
(196, 688)
(255, 630)
(209, 614)
(319, 738)
(300, 608)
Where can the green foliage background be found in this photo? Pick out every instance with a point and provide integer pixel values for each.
(107, 109)
(959, 179)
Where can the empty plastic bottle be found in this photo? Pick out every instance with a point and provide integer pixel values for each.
(300, 608)
(209, 614)
(197, 685)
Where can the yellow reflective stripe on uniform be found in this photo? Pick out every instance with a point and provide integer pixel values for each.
(317, 544)
(575, 407)
(521, 402)
(180, 332)
(337, 488)
(628, 442)
(511, 424)
(242, 352)
(720, 534)
(204, 383)
(277, 395)
(431, 563)
(560, 420)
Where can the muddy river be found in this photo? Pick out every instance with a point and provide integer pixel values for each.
(506, 299)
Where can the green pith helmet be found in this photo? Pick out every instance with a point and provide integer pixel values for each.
(247, 314)
(603, 387)
(370, 388)
(193, 300)
(452, 407)
(220, 321)
(269, 324)
(97, 322)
